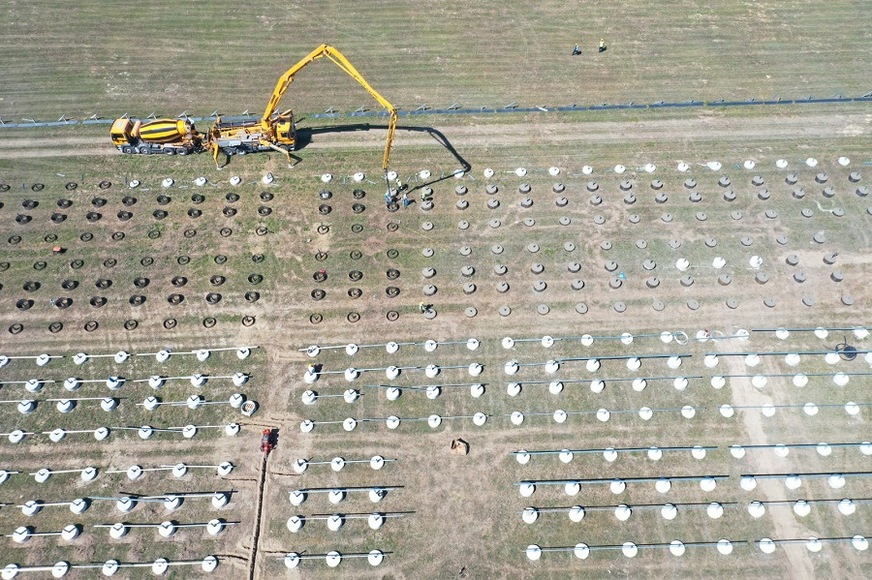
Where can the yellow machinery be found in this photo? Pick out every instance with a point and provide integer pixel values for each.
(167, 136)
(276, 131)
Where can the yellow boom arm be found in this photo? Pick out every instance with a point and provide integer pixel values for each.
(337, 57)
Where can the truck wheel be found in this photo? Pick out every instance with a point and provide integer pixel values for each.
(183, 151)
(127, 149)
(144, 150)
(170, 151)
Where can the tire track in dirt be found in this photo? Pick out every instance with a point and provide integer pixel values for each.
(255, 537)
(744, 393)
(701, 128)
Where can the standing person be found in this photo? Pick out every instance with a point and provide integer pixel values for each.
(406, 200)
(576, 51)
(602, 45)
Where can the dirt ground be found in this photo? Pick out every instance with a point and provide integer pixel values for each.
(460, 515)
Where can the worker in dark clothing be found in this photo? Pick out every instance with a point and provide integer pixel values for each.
(602, 45)
(576, 51)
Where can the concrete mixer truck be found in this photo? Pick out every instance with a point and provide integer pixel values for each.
(160, 136)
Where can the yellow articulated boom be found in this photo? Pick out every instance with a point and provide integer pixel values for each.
(276, 131)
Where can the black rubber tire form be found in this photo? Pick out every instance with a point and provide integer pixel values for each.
(392, 207)
(261, 231)
(4, 266)
(15, 328)
(393, 254)
(153, 234)
(324, 209)
(70, 284)
(313, 318)
(130, 324)
(55, 327)
(64, 203)
(355, 275)
(75, 264)
(225, 232)
(50, 238)
(229, 211)
(31, 286)
(163, 200)
(105, 184)
(392, 315)
(266, 196)
(38, 266)
(141, 282)
(176, 299)
(198, 198)
(232, 197)
(37, 187)
(213, 298)
(217, 280)
(220, 259)
(356, 228)
(93, 216)
(392, 274)
(358, 194)
(355, 292)
(323, 229)
(392, 291)
(159, 214)
(178, 281)
(252, 296)
(209, 322)
(190, 233)
(147, 261)
(124, 215)
(183, 260)
(248, 320)
(58, 218)
(29, 204)
(264, 210)
(358, 208)
(353, 317)
(71, 186)
(257, 258)
(194, 213)
(128, 200)
(91, 326)
(5, 187)
(320, 256)
(255, 279)
(355, 254)
(22, 219)
(13, 240)
(318, 294)
(98, 201)
(325, 194)
(137, 300)
(24, 304)
(86, 237)
(110, 263)
(393, 226)
(319, 276)
(170, 323)
(97, 301)
(64, 303)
